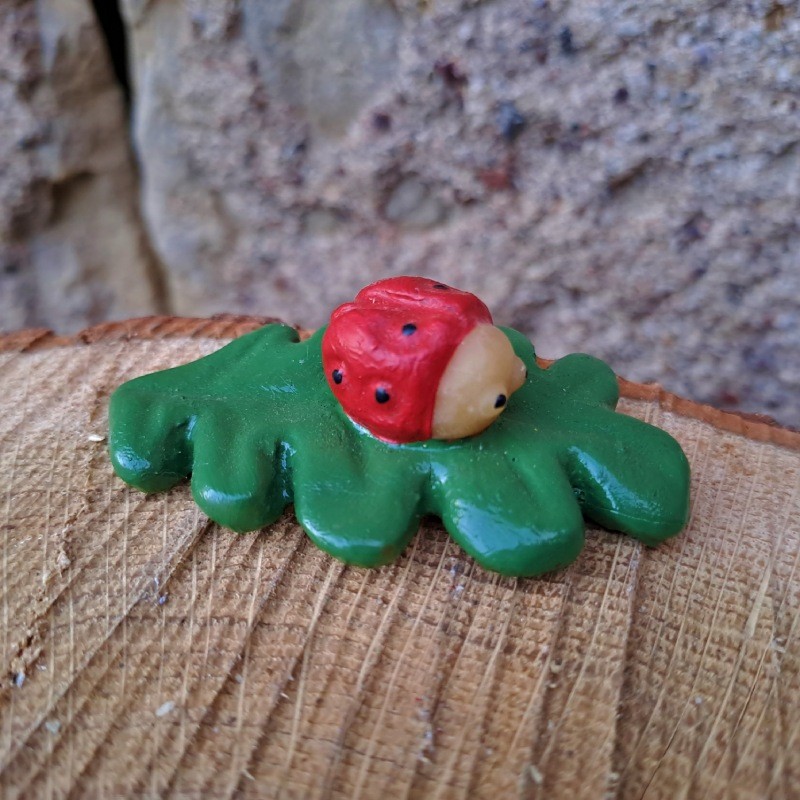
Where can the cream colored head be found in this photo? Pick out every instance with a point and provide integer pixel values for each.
(482, 374)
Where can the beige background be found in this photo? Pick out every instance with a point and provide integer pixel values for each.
(614, 177)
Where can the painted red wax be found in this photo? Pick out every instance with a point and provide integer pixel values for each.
(384, 354)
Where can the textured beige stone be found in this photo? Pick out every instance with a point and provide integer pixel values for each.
(72, 248)
(614, 177)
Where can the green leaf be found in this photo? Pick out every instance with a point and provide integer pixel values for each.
(257, 428)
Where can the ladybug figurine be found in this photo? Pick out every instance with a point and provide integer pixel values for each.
(385, 416)
(412, 359)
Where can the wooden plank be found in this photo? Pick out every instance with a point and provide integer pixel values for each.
(148, 652)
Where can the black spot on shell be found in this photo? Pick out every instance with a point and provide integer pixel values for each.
(501, 401)
(337, 376)
(440, 286)
(409, 328)
(381, 395)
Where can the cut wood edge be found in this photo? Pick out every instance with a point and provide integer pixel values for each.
(758, 427)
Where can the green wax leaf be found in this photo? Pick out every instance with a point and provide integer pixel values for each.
(257, 428)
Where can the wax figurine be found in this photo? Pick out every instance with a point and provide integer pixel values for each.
(409, 402)
(412, 359)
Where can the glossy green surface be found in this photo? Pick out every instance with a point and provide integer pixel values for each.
(257, 428)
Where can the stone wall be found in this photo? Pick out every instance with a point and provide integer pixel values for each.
(72, 246)
(615, 177)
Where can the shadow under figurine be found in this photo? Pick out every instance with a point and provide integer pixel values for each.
(410, 402)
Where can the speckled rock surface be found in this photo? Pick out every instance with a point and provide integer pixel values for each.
(616, 177)
(72, 246)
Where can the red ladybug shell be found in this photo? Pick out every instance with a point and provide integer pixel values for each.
(384, 353)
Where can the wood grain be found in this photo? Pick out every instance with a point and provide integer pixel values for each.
(149, 653)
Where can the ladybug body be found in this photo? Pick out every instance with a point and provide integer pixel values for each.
(385, 355)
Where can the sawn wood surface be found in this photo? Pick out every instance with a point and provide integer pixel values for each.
(148, 652)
